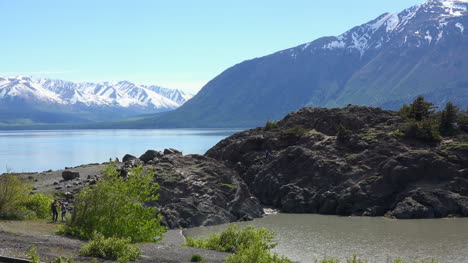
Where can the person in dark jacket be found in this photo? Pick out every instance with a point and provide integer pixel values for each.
(54, 207)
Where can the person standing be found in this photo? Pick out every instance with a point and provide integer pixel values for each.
(53, 207)
(63, 207)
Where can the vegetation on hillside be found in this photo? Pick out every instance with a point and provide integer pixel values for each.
(423, 123)
(114, 207)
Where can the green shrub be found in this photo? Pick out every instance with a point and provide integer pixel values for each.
(13, 192)
(231, 239)
(270, 125)
(248, 245)
(343, 134)
(114, 207)
(63, 260)
(426, 130)
(33, 256)
(294, 132)
(230, 186)
(110, 248)
(196, 258)
(255, 253)
(39, 204)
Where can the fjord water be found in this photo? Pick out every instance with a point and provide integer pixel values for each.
(303, 238)
(36, 151)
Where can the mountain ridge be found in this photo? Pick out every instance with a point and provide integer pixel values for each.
(385, 63)
(110, 99)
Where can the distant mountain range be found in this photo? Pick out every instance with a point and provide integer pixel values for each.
(422, 50)
(26, 100)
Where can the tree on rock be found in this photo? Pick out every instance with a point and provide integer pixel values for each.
(449, 119)
(343, 135)
(420, 109)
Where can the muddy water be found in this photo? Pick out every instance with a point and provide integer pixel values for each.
(305, 237)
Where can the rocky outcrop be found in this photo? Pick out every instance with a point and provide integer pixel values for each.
(199, 191)
(372, 172)
(195, 190)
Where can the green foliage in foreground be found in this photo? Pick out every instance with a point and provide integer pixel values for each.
(16, 202)
(110, 248)
(114, 207)
(248, 245)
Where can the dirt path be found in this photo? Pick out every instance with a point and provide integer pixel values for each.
(18, 237)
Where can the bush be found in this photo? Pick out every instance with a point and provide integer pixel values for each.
(231, 239)
(39, 204)
(114, 208)
(110, 248)
(13, 193)
(343, 134)
(248, 245)
(196, 258)
(294, 132)
(425, 130)
(270, 125)
(255, 253)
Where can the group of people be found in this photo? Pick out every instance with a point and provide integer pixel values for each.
(55, 206)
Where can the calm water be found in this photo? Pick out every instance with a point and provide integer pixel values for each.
(35, 151)
(305, 237)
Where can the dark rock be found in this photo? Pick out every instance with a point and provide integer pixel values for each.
(128, 157)
(69, 196)
(56, 183)
(150, 155)
(133, 162)
(58, 187)
(70, 175)
(171, 151)
(372, 173)
(199, 191)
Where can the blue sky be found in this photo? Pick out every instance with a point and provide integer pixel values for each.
(174, 43)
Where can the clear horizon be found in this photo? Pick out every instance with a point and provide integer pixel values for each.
(172, 44)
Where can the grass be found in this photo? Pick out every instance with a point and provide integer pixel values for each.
(40, 226)
(230, 186)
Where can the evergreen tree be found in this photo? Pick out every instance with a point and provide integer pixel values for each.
(421, 109)
(449, 119)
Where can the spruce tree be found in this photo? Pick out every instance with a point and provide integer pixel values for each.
(421, 109)
(449, 119)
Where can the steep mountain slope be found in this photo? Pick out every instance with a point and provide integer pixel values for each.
(420, 51)
(54, 101)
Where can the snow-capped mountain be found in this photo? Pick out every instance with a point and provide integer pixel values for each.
(122, 98)
(423, 24)
(386, 62)
(122, 94)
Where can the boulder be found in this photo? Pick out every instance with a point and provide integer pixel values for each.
(150, 155)
(171, 151)
(70, 175)
(128, 157)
